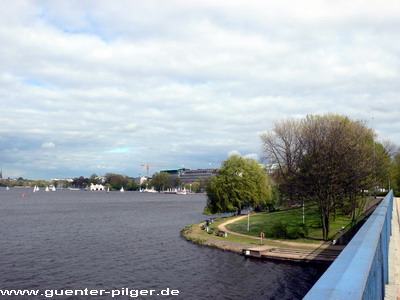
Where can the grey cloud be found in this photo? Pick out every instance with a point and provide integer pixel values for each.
(183, 84)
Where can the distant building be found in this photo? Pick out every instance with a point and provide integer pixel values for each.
(174, 172)
(62, 183)
(190, 176)
(270, 168)
(96, 187)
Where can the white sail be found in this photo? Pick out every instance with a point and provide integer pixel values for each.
(53, 189)
(7, 188)
(47, 189)
(122, 189)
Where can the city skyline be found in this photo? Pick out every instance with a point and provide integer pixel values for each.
(93, 87)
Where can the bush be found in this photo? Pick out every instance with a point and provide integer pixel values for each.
(346, 208)
(295, 233)
(305, 229)
(196, 240)
(279, 230)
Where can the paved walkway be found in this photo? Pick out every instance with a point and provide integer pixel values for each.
(321, 245)
(392, 290)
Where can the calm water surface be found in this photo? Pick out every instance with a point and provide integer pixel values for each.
(96, 240)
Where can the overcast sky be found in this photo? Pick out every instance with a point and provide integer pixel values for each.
(104, 86)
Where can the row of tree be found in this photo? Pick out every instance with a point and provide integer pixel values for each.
(160, 181)
(113, 181)
(328, 160)
(163, 181)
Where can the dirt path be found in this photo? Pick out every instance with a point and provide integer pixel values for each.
(320, 245)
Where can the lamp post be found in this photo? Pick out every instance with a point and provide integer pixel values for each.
(248, 219)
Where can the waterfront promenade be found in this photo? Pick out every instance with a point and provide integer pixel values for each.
(286, 250)
(271, 249)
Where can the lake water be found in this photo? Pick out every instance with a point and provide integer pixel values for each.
(112, 241)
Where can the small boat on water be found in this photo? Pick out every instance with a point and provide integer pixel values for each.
(122, 190)
(183, 191)
(7, 188)
(36, 189)
(73, 189)
(152, 190)
(53, 188)
(47, 189)
(170, 191)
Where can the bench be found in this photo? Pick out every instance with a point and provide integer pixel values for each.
(222, 233)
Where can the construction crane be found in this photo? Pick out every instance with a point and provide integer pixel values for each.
(148, 167)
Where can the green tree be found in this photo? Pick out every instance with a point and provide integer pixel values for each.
(396, 172)
(173, 182)
(283, 145)
(80, 182)
(160, 181)
(196, 187)
(238, 184)
(325, 159)
(382, 166)
(116, 181)
(93, 179)
(337, 163)
(131, 185)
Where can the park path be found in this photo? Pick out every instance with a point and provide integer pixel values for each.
(320, 245)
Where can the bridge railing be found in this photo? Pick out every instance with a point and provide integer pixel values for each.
(361, 270)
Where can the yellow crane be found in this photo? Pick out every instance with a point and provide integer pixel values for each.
(148, 167)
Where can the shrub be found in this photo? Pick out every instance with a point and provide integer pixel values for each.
(296, 233)
(279, 230)
(196, 240)
(305, 229)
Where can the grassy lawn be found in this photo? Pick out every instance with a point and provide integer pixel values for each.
(232, 238)
(293, 218)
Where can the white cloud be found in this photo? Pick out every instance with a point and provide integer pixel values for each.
(180, 83)
(234, 152)
(252, 156)
(48, 145)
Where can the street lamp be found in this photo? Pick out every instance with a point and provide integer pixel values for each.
(248, 219)
(248, 208)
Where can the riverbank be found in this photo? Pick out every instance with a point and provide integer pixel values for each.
(250, 246)
(220, 235)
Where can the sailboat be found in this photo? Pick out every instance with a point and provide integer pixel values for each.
(47, 189)
(182, 192)
(108, 189)
(7, 188)
(53, 189)
(36, 189)
(122, 190)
